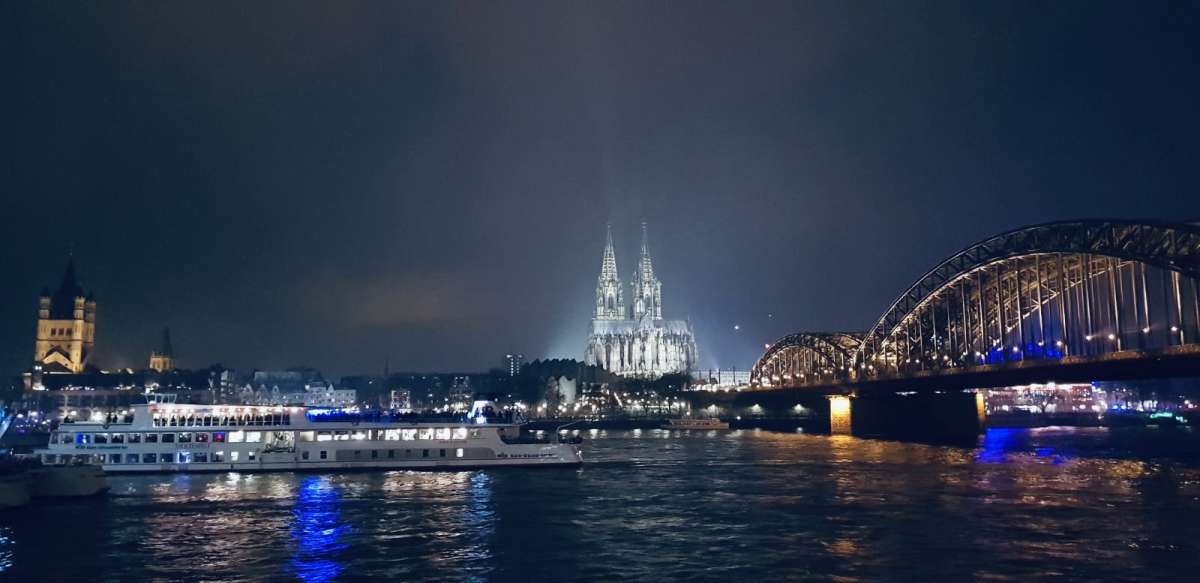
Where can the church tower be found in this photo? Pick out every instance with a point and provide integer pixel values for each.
(163, 359)
(66, 327)
(647, 290)
(610, 298)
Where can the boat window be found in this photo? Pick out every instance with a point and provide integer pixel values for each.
(133, 438)
(185, 438)
(148, 458)
(100, 438)
(304, 455)
(254, 437)
(442, 433)
(183, 457)
(151, 438)
(442, 453)
(233, 456)
(458, 452)
(131, 458)
(356, 453)
(391, 435)
(201, 438)
(341, 436)
(200, 457)
(408, 453)
(218, 457)
(165, 458)
(218, 437)
(208, 421)
(425, 433)
(408, 434)
(460, 433)
(118, 438)
(359, 435)
(424, 453)
(391, 453)
(324, 436)
(249, 456)
(307, 435)
(167, 437)
(237, 436)
(323, 454)
(374, 453)
(474, 434)
(114, 458)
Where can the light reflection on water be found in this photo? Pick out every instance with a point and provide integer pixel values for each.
(659, 505)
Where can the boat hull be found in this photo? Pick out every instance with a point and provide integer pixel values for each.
(68, 481)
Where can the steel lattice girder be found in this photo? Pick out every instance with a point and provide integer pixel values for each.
(1172, 246)
(827, 344)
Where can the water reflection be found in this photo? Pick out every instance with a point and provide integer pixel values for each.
(317, 530)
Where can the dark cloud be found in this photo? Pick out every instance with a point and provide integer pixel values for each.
(340, 183)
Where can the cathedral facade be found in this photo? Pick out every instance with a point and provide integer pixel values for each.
(644, 345)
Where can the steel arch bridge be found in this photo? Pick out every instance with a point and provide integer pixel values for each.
(1055, 292)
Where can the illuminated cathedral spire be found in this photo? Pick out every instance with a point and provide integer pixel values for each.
(647, 290)
(610, 298)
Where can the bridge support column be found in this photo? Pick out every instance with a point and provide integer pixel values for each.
(840, 418)
(948, 416)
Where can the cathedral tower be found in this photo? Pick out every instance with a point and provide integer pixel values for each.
(66, 326)
(610, 298)
(647, 290)
(163, 359)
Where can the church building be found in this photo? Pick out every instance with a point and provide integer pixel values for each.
(66, 327)
(644, 345)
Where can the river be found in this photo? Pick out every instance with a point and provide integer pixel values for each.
(1067, 504)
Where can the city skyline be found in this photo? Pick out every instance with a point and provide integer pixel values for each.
(429, 195)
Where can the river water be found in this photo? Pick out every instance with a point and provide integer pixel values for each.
(1068, 504)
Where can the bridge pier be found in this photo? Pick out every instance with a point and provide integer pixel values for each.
(936, 416)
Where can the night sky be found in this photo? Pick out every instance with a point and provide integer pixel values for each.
(336, 184)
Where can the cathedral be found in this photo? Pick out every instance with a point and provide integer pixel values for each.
(645, 345)
(66, 327)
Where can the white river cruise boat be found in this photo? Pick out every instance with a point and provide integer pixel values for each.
(166, 437)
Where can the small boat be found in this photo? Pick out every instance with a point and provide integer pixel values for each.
(698, 423)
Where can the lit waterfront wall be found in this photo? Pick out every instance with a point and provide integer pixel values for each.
(839, 415)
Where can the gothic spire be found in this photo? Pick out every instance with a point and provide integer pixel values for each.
(608, 268)
(166, 343)
(646, 267)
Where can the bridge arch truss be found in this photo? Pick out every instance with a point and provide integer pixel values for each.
(1052, 291)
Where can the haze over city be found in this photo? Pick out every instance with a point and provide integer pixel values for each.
(340, 185)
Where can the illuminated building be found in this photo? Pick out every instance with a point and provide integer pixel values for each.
(645, 345)
(513, 363)
(66, 327)
(163, 359)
